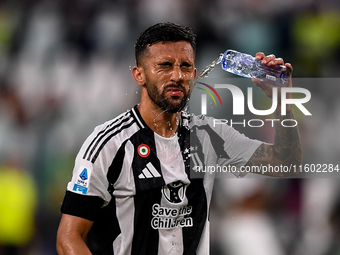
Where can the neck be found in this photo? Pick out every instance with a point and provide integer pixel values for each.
(163, 123)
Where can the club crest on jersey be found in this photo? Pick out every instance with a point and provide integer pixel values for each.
(174, 192)
(143, 150)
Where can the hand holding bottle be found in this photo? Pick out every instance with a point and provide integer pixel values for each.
(272, 61)
(251, 67)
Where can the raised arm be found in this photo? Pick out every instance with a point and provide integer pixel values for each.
(71, 235)
(286, 150)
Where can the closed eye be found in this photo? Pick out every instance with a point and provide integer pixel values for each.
(186, 65)
(165, 64)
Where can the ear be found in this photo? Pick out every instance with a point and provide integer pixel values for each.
(138, 74)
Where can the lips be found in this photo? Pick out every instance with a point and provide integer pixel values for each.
(174, 91)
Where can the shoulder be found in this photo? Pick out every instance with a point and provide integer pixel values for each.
(205, 125)
(116, 123)
(110, 134)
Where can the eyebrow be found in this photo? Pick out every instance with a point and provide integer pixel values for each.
(166, 62)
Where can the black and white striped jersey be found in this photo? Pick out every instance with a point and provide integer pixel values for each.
(138, 189)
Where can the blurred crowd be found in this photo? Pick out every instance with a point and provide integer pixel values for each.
(65, 67)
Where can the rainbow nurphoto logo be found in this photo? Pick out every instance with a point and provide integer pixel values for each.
(209, 93)
(204, 97)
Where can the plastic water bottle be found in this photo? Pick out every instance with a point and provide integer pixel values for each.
(247, 66)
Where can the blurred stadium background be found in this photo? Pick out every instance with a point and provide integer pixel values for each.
(65, 68)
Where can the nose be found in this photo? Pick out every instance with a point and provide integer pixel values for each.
(176, 74)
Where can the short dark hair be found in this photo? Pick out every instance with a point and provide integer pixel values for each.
(163, 32)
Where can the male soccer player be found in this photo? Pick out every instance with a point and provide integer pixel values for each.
(131, 190)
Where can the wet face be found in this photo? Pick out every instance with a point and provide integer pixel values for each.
(169, 67)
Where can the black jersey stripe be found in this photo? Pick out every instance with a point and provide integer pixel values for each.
(197, 198)
(148, 192)
(116, 166)
(104, 230)
(217, 141)
(95, 156)
(102, 133)
(145, 239)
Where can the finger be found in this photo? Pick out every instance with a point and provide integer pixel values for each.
(288, 65)
(267, 59)
(276, 61)
(259, 55)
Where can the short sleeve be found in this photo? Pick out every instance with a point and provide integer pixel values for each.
(237, 148)
(88, 189)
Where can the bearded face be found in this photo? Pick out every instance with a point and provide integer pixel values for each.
(168, 68)
(172, 98)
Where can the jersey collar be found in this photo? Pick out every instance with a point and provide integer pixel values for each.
(141, 123)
